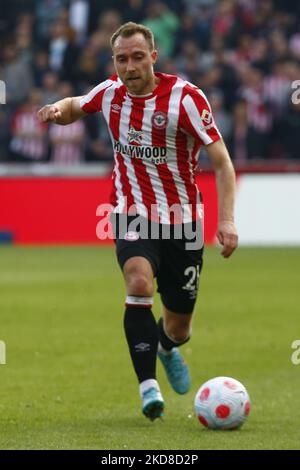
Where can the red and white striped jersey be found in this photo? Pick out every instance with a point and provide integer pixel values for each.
(156, 140)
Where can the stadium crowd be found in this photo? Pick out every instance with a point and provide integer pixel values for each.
(244, 54)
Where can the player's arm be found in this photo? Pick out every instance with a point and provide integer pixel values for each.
(62, 112)
(225, 179)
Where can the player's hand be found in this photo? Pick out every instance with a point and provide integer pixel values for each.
(228, 237)
(49, 113)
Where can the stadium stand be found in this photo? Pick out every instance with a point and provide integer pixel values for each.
(244, 54)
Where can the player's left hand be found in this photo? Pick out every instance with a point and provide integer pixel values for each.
(228, 237)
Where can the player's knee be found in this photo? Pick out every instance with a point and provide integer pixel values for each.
(139, 284)
(178, 334)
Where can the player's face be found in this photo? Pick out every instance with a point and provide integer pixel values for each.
(134, 62)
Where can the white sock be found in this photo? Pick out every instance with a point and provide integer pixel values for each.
(150, 383)
(163, 351)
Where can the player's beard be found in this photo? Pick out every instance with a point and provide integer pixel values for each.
(139, 86)
(135, 86)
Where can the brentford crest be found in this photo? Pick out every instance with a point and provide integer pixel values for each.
(159, 120)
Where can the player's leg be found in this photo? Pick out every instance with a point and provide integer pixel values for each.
(178, 282)
(176, 326)
(174, 330)
(141, 331)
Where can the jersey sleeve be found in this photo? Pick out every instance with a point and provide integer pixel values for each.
(197, 118)
(92, 102)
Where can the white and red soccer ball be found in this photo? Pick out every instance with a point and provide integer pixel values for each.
(222, 403)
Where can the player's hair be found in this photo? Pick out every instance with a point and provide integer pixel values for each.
(127, 30)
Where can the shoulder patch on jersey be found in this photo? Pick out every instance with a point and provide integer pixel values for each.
(206, 116)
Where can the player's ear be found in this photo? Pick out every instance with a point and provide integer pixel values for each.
(154, 55)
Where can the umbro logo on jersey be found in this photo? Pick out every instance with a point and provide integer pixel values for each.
(159, 120)
(116, 108)
(134, 136)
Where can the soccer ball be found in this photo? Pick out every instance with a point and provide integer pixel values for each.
(222, 403)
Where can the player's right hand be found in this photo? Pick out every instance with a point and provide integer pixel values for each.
(228, 237)
(49, 113)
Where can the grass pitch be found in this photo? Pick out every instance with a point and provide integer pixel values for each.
(68, 382)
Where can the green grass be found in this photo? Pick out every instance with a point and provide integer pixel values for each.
(68, 382)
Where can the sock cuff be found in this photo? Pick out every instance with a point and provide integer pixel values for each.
(149, 383)
(164, 351)
(185, 340)
(135, 301)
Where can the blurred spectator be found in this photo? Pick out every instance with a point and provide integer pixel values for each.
(291, 131)
(187, 32)
(97, 53)
(176, 6)
(164, 24)
(134, 10)
(24, 38)
(195, 6)
(244, 54)
(239, 142)
(292, 69)
(4, 136)
(219, 72)
(40, 67)
(203, 26)
(46, 12)
(189, 60)
(262, 18)
(17, 75)
(88, 69)
(67, 142)
(225, 23)
(260, 55)
(168, 65)
(259, 113)
(98, 143)
(79, 15)
(277, 89)
(97, 8)
(11, 11)
(98, 146)
(295, 44)
(222, 117)
(62, 50)
(109, 22)
(50, 89)
(279, 46)
(28, 143)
